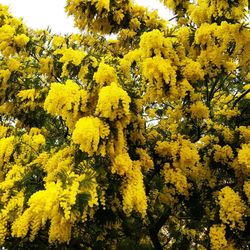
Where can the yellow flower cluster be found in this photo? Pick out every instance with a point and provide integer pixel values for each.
(12, 33)
(177, 178)
(105, 74)
(189, 155)
(232, 208)
(169, 149)
(193, 71)
(113, 103)
(110, 16)
(47, 204)
(134, 200)
(15, 173)
(244, 156)
(102, 4)
(43, 206)
(69, 56)
(67, 100)
(13, 207)
(217, 237)
(167, 196)
(88, 133)
(183, 34)
(245, 133)
(13, 64)
(161, 76)
(6, 149)
(6, 33)
(46, 65)
(129, 59)
(154, 43)
(5, 76)
(206, 11)
(27, 94)
(145, 159)
(58, 41)
(59, 162)
(223, 154)
(225, 131)
(183, 150)
(122, 164)
(199, 110)
(21, 40)
(3, 131)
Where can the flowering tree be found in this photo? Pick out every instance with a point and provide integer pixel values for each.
(139, 142)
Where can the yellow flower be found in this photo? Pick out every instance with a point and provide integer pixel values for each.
(177, 178)
(88, 133)
(223, 154)
(169, 149)
(105, 74)
(161, 76)
(67, 100)
(21, 40)
(13, 64)
(122, 164)
(199, 110)
(6, 32)
(6, 149)
(58, 41)
(69, 55)
(244, 156)
(145, 159)
(113, 103)
(5, 75)
(217, 237)
(27, 94)
(3, 131)
(193, 71)
(134, 200)
(46, 65)
(232, 208)
(102, 4)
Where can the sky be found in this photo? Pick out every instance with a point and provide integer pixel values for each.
(40, 14)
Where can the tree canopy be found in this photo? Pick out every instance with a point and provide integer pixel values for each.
(138, 140)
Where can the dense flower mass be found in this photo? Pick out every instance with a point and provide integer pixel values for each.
(232, 214)
(133, 133)
(88, 133)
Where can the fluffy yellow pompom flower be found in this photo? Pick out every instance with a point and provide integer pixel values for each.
(21, 40)
(199, 110)
(217, 237)
(244, 156)
(88, 133)
(232, 208)
(122, 164)
(113, 103)
(193, 71)
(223, 154)
(105, 74)
(69, 56)
(66, 100)
(13, 64)
(152, 42)
(133, 191)
(177, 178)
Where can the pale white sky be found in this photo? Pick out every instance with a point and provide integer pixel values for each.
(39, 14)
